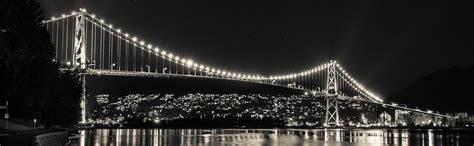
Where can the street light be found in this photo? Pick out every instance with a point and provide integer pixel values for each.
(7, 115)
(112, 66)
(164, 69)
(148, 67)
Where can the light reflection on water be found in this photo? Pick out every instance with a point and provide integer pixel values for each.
(340, 137)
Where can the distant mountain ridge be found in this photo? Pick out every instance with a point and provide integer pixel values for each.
(445, 90)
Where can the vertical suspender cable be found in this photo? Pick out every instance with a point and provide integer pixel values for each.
(111, 34)
(73, 50)
(92, 44)
(341, 83)
(163, 63)
(99, 60)
(102, 57)
(149, 59)
(156, 61)
(57, 47)
(312, 80)
(99, 49)
(101, 42)
(94, 48)
(134, 57)
(67, 37)
(108, 64)
(85, 38)
(126, 55)
(111, 51)
(336, 77)
(119, 52)
(62, 41)
(169, 59)
(141, 57)
(344, 83)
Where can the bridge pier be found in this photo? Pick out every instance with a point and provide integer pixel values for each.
(80, 61)
(332, 112)
(83, 99)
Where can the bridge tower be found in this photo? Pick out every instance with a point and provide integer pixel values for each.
(332, 112)
(80, 56)
(79, 41)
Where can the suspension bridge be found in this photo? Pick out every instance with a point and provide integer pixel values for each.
(84, 41)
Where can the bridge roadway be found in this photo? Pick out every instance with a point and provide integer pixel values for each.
(315, 93)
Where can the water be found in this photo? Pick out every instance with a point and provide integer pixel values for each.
(326, 137)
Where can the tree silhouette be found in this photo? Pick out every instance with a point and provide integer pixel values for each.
(29, 76)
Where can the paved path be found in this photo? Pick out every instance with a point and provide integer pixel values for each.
(20, 138)
(14, 126)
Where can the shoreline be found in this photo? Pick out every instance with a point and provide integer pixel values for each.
(282, 128)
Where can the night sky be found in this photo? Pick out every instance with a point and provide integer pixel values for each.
(384, 45)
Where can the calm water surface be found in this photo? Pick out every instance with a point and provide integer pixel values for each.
(323, 137)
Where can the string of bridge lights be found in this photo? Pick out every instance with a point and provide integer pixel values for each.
(303, 73)
(206, 68)
(352, 82)
(357, 89)
(356, 85)
(161, 52)
(63, 16)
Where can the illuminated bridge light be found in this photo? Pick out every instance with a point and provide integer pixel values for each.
(298, 77)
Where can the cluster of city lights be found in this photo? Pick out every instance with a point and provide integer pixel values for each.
(163, 53)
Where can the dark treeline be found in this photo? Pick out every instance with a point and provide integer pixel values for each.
(30, 79)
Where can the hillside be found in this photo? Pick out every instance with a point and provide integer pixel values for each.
(446, 90)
